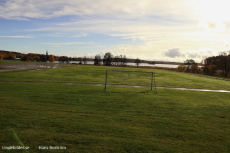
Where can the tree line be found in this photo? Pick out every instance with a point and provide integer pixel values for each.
(220, 62)
(109, 59)
(189, 66)
(33, 57)
(212, 65)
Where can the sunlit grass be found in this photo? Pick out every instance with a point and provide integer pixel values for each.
(88, 119)
(96, 74)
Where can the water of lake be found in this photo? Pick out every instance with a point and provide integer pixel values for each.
(141, 64)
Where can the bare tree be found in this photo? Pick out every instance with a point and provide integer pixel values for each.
(80, 60)
(137, 61)
(108, 59)
(189, 63)
(123, 60)
(97, 59)
(84, 60)
(64, 59)
(116, 60)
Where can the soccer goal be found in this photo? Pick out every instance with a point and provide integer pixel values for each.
(130, 78)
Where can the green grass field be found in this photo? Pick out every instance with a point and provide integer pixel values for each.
(123, 119)
(94, 74)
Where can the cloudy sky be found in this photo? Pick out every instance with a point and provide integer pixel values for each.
(147, 29)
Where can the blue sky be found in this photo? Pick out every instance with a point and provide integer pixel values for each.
(147, 29)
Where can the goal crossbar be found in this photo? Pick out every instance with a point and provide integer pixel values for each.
(152, 77)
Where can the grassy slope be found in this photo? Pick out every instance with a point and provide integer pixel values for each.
(87, 119)
(94, 74)
(11, 62)
(11, 65)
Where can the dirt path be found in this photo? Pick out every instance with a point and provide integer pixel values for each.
(10, 70)
(207, 90)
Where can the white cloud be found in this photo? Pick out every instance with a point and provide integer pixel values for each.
(17, 36)
(27, 9)
(81, 35)
(173, 52)
(73, 51)
(213, 10)
(146, 52)
(215, 26)
(26, 51)
(68, 43)
(156, 27)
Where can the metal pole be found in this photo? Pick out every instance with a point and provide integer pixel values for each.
(105, 80)
(155, 84)
(152, 82)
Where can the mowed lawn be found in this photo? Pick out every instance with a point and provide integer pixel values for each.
(122, 119)
(96, 74)
(88, 119)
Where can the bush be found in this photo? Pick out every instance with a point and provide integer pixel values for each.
(24, 58)
(51, 58)
(194, 68)
(37, 58)
(210, 70)
(181, 68)
(1, 56)
(11, 56)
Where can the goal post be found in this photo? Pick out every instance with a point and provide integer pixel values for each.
(152, 77)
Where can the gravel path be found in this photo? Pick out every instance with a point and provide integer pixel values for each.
(207, 90)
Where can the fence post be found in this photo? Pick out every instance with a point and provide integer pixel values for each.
(105, 80)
